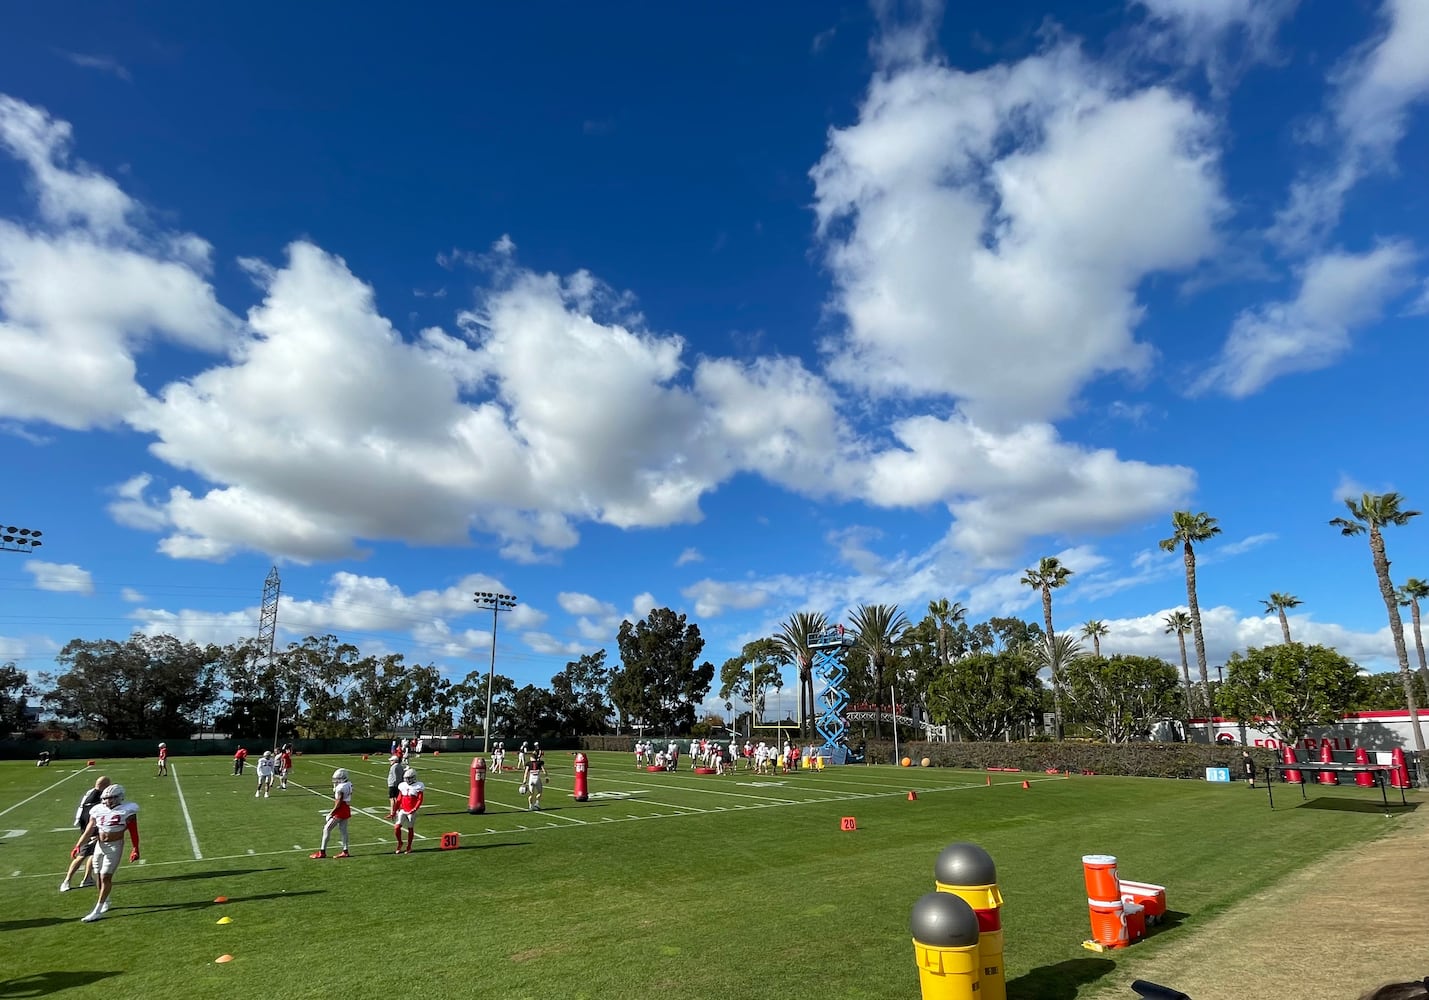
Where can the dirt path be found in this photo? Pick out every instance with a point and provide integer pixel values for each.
(1332, 932)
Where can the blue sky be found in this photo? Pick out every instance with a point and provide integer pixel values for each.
(738, 311)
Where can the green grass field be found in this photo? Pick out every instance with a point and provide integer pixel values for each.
(662, 886)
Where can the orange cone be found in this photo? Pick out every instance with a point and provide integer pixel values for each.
(989, 781)
(1025, 784)
(912, 796)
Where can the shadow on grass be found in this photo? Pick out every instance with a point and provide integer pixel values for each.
(472, 847)
(205, 904)
(1334, 803)
(1060, 981)
(193, 876)
(29, 924)
(1169, 920)
(42, 984)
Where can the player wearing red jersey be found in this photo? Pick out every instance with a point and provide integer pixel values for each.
(409, 799)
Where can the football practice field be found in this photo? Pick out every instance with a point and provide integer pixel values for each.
(660, 887)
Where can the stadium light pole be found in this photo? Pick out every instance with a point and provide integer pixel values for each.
(13, 539)
(497, 602)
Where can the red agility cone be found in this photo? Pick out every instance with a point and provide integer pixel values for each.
(1327, 757)
(1025, 784)
(1365, 780)
(1287, 754)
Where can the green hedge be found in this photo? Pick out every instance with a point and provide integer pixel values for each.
(1148, 760)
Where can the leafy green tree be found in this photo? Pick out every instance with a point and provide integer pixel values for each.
(1123, 697)
(759, 658)
(1049, 575)
(986, 696)
(1095, 630)
(146, 686)
(878, 628)
(1370, 515)
(1414, 591)
(14, 686)
(534, 713)
(579, 695)
(1287, 688)
(1189, 530)
(1278, 604)
(659, 682)
(1383, 692)
(793, 638)
(1014, 634)
(1179, 622)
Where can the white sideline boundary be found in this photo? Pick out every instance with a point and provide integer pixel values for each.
(188, 820)
(42, 791)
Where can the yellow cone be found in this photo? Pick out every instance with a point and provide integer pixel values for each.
(225, 920)
(223, 958)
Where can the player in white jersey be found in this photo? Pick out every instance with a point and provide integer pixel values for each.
(409, 799)
(108, 821)
(339, 813)
(265, 774)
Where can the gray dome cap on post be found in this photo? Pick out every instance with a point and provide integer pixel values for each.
(964, 864)
(942, 920)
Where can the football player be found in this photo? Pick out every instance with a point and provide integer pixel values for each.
(108, 821)
(409, 799)
(339, 813)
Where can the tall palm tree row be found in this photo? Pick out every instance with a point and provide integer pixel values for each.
(1370, 515)
(1414, 591)
(1189, 530)
(1180, 623)
(793, 641)
(1048, 576)
(1278, 603)
(1094, 630)
(878, 628)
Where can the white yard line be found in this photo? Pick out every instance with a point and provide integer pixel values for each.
(42, 791)
(188, 821)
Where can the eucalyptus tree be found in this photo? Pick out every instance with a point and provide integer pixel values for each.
(1278, 604)
(1414, 591)
(793, 640)
(1095, 630)
(1370, 515)
(1189, 530)
(877, 628)
(1179, 622)
(1049, 575)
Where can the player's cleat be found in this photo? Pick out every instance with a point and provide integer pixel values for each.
(256, 794)
(65, 886)
(91, 917)
(104, 906)
(318, 855)
(344, 854)
(408, 851)
(398, 850)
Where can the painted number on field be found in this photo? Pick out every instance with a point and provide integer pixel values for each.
(7, 834)
(761, 784)
(613, 795)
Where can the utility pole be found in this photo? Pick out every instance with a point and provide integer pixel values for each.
(267, 632)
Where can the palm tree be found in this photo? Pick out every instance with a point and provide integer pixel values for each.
(1180, 623)
(1371, 514)
(1410, 595)
(1094, 630)
(1049, 575)
(1278, 603)
(946, 614)
(1189, 530)
(879, 627)
(793, 640)
(1056, 655)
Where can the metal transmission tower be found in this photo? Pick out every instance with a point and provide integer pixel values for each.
(267, 631)
(828, 648)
